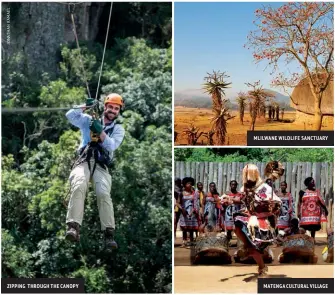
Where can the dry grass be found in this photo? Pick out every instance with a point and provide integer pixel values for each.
(236, 133)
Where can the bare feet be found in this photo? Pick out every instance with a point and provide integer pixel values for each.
(262, 272)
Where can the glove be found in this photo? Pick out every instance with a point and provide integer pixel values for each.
(95, 126)
(89, 102)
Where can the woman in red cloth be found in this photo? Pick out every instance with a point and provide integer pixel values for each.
(311, 208)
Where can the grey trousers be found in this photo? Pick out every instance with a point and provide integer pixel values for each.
(79, 181)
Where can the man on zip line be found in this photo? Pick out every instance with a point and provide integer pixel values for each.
(100, 138)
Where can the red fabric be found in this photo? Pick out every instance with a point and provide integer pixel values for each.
(311, 210)
(263, 223)
(232, 195)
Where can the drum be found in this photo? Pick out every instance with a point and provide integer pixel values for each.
(330, 239)
(298, 245)
(211, 249)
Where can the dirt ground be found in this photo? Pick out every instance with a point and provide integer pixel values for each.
(238, 277)
(223, 279)
(237, 133)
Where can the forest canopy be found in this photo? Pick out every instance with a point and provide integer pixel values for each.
(38, 150)
(254, 155)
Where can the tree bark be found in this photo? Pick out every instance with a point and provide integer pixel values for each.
(318, 114)
(317, 102)
(241, 115)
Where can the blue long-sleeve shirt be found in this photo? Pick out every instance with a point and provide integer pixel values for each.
(82, 121)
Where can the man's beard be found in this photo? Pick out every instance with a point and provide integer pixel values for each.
(107, 114)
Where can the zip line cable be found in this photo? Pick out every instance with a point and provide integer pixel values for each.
(103, 55)
(27, 110)
(80, 57)
(70, 3)
(31, 110)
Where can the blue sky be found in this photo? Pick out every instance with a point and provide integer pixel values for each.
(210, 36)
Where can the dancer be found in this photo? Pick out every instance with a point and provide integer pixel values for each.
(177, 191)
(310, 207)
(212, 207)
(252, 226)
(189, 206)
(287, 210)
(200, 194)
(232, 203)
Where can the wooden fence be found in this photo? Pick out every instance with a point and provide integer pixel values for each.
(295, 174)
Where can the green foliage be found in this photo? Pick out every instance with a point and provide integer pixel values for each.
(78, 66)
(255, 155)
(143, 78)
(16, 260)
(17, 190)
(96, 279)
(148, 20)
(39, 153)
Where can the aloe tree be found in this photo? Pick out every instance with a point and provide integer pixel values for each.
(215, 86)
(262, 109)
(277, 110)
(242, 102)
(210, 137)
(220, 121)
(257, 98)
(193, 134)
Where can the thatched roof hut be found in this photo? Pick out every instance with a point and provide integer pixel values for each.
(302, 99)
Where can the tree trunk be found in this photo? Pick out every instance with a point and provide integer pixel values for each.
(317, 93)
(253, 120)
(252, 112)
(277, 114)
(241, 115)
(318, 113)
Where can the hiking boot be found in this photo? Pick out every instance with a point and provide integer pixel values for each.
(72, 233)
(110, 244)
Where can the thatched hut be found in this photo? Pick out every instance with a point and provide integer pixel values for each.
(302, 100)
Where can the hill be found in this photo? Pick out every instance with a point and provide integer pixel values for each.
(194, 98)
